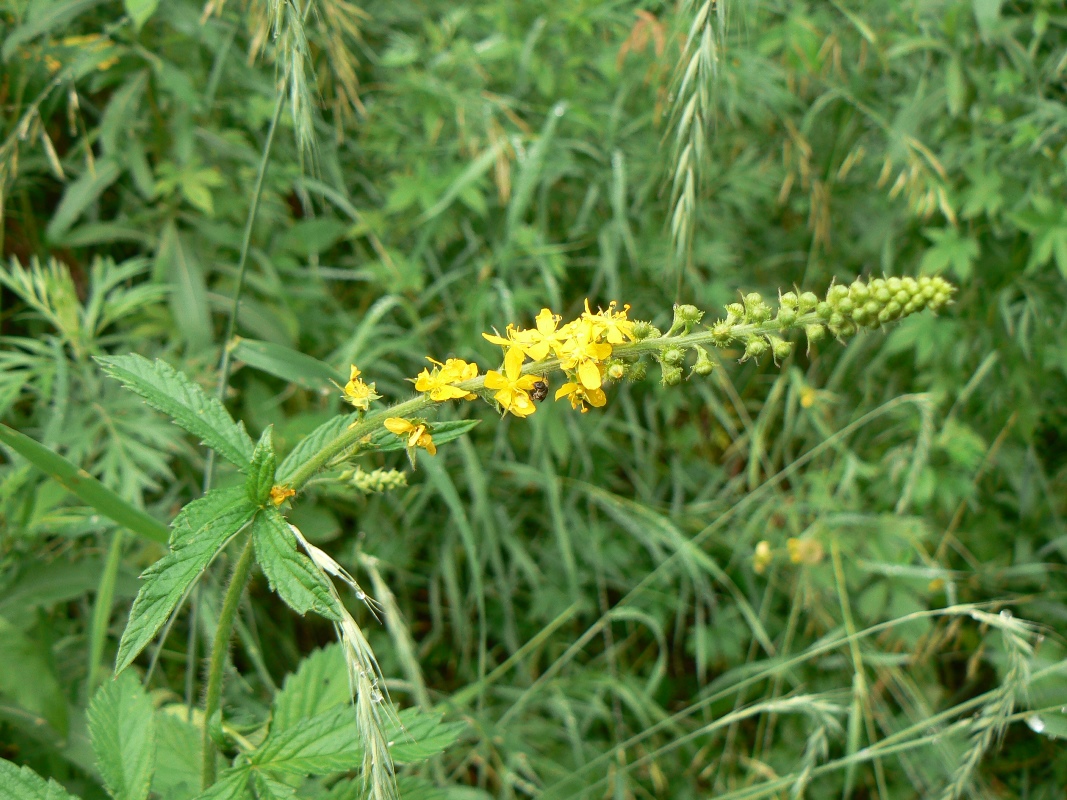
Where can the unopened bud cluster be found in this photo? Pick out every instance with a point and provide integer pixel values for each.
(878, 301)
(380, 480)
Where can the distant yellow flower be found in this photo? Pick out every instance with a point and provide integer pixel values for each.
(512, 387)
(583, 353)
(417, 434)
(805, 551)
(358, 393)
(762, 558)
(438, 383)
(613, 324)
(579, 396)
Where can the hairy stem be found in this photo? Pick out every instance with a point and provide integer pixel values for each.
(373, 421)
(219, 649)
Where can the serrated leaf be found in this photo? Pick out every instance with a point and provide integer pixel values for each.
(22, 783)
(267, 788)
(312, 443)
(261, 471)
(200, 531)
(291, 573)
(123, 734)
(422, 735)
(319, 684)
(231, 785)
(286, 363)
(176, 262)
(385, 441)
(173, 393)
(178, 755)
(327, 742)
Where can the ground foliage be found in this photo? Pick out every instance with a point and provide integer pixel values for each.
(587, 593)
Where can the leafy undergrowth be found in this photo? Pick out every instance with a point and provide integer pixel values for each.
(838, 575)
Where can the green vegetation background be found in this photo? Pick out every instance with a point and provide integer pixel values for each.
(580, 589)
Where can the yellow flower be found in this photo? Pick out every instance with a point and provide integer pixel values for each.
(438, 383)
(512, 386)
(417, 434)
(763, 557)
(579, 396)
(612, 323)
(581, 352)
(279, 494)
(358, 393)
(544, 338)
(805, 551)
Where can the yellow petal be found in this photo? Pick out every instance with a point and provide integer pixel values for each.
(566, 389)
(546, 321)
(589, 374)
(398, 425)
(500, 340)
(513, 363)
(494, 380)
(596, 398)
(354, 374)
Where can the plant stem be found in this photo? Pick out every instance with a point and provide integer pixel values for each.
(242, 268)
(373, 421)
(219, 650)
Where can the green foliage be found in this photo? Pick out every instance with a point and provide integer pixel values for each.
(756, 583)
(123, 733)
(201, 530)
(169, 391)
(292, 574)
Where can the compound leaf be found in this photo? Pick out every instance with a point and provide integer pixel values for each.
(170, 391)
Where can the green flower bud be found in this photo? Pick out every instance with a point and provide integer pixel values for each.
(845, 329)
(722, 332)
(893, 284)
(814, 333)
(860, 316)
(788, 300)
(614, 369)
(672, 354)
(780, 348)
(871, 308)
(755, 309)
(735, 310)
(686, 316)
(859, 292)
(672, 375)
(845, 305)
(754, 348)
(902, 297)
(824, 310)
(807, 302)
(704, 365)
(638, 371)
(883, 295)
(786, 316)
(645, 330)
(836, 293)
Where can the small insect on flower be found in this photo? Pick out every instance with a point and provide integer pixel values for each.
(540, 389)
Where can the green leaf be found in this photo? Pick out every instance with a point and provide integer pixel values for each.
(232, 785)
(318, 685)
(178, 754)
(27, 677)
(123, 732)
(80, 194)
(313, 443)
(83, 485)
(422, 735)
(261, 472)
(267, 788)
(168, 390)
(200, 531)
(385, 441)
(291, 573)
(140, 10)
(49, 17)
(22, 783)
(328, 742)
(286, 363)
(177, 263)
(950, 250)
